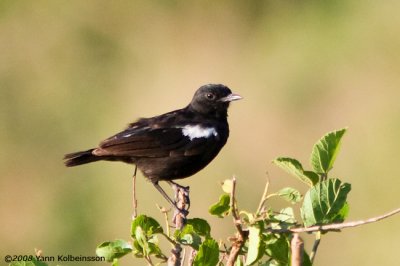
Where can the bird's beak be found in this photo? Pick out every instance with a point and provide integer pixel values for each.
(231, 97)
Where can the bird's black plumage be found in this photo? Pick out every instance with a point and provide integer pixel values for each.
(170, 146)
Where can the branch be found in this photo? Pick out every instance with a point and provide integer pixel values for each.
(334, 227)
(297, 250)
(175, 258)
(182, 201)
(192, 255)
(179, 219)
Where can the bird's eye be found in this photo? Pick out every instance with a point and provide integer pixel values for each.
(210, 96)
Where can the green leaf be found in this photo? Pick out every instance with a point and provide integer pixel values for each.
(200, 226)
(306, 260)
(277, 248)
(188, 236)
(239, 262)
(256, 245)
(208, 254)
(325, 203)
(221, 208)
(248, 217)
(140, 237)
(113, 249)
(270, 263)
(115, 262)
(325, 151)
(144, 245)
(138, 250)
(143, 231)
(294, 167)
(343, 213)
(149, 225)
(285, 215)
(290, 194)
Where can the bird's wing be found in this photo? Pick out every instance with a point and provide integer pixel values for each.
(145, 141)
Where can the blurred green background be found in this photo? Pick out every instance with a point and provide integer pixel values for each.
(75, 72)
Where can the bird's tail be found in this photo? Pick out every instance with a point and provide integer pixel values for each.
(81, 157)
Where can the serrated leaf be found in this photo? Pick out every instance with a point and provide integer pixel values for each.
(294, 167)
(188, 236)
(290, 194)
(256, 245)
(221, 208)
(227, 186)
(325, 151)
(325, 203)
(148, 224)
(208, 254)
(200, 226)
(113, 249)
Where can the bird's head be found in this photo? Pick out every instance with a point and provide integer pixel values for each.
(213, 99)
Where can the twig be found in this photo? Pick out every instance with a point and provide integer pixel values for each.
(315, 246)
(170, 240)
(233, 207)
(183, 256)
(334, 227)
(192, 255)
(165, 212)
(297, 250)
(134, 201)
(263, 198)
(149, 261)
(241, 236)
(221, 258)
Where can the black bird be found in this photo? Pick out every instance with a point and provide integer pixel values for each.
(170, 146)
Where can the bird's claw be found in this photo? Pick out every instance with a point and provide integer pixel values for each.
(185, 193)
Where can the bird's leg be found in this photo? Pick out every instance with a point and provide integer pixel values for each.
(176, 187)
(165, 195)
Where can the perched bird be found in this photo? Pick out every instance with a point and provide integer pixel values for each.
(170, 146)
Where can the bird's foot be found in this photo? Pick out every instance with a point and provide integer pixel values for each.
(179, 217)
(182, 212)
(181, 203)
(184, 190)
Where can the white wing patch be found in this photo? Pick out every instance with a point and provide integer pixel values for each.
(194, 132)
(127, 135)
